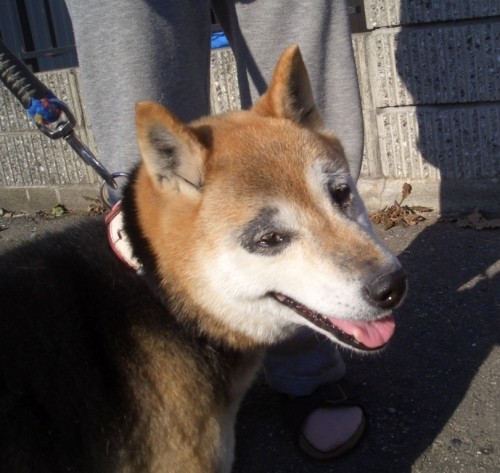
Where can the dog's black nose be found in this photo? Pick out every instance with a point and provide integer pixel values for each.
(387, 290)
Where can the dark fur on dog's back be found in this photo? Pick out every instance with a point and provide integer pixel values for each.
(247, 226)
(57, 359)
(68, 355)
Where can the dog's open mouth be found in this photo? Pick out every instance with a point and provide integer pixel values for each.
(367, 336)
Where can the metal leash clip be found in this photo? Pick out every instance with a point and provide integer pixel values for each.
(65, 129)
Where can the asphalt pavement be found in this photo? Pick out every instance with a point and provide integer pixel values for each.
(432, 397)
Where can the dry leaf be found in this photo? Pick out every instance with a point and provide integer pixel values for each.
(406, 191)
(96, 207)
(398, 214)
(419, 208)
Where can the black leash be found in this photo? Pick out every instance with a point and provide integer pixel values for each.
(52, 116)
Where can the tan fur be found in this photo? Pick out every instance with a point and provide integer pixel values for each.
(222, 171)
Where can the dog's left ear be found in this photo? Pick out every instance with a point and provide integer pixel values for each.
(290, 95)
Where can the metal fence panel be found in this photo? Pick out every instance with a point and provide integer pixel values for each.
(10, 27)
(39, 32)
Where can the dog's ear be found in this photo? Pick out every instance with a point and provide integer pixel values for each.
(290, 95)
(170, 150)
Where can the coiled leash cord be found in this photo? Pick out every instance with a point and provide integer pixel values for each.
(52, 117)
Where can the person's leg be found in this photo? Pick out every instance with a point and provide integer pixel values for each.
(260, 31)
(135, 50)
(300, 368)
(303, 363)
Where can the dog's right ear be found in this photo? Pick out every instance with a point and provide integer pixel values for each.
(170, 150)
(290, 94)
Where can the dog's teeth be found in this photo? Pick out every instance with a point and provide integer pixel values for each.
(356, 334)
(280, 297)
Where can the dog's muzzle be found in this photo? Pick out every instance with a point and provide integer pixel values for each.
(384, 291)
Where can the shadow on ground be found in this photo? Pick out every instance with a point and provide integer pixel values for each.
(447, 330)
(431, 397)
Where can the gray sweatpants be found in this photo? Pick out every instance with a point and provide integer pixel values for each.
(132, 50)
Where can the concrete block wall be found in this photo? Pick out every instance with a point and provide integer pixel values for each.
(35, 171)
(430, 81)
(28, 158)
(430, 85)
(385, 13)
(224, 91)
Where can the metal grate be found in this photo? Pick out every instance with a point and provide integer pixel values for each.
(39, 32)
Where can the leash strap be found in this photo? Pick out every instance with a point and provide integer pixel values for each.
(19, 79)
(46, 109)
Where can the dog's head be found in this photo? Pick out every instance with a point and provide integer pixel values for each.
(253, 216)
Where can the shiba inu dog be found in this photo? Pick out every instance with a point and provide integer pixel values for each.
(133, 355)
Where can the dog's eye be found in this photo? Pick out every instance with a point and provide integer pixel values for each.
(265, 234)
(340, 194)
(271, 240)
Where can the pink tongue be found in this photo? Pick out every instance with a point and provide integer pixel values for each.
(371, 334)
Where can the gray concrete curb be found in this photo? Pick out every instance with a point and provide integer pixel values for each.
(446, 197)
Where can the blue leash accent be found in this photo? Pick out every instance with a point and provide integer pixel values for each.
(44, 111)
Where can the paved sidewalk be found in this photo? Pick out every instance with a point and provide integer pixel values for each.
(433, 397)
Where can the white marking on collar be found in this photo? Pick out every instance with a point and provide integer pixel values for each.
(118, 239)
